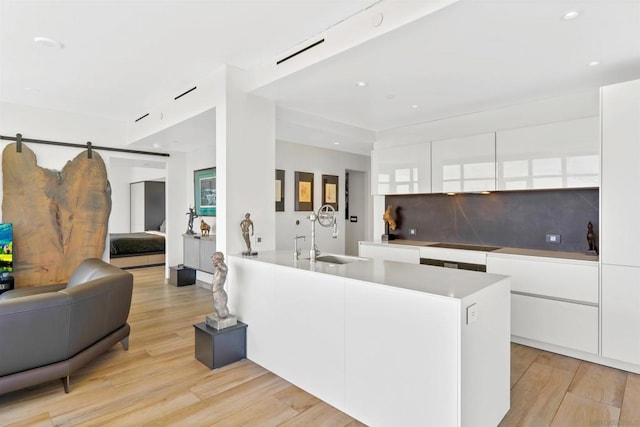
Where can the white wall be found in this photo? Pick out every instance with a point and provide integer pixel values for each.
(245, 150)
(176, 199)
(201, 158)
(319, 161)
(245, 156)
(52, 125)
(358, 207)
(120, 218)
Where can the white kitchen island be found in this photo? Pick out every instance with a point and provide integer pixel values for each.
(389, 343)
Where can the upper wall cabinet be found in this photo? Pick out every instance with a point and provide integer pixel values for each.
(464, 164)
(401, 170)
(555, 155)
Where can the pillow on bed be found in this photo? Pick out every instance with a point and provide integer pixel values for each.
(163, 227)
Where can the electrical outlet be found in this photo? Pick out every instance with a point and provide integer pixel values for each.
(413, 232)
(472, 314)
(552, 238)
(258, 239)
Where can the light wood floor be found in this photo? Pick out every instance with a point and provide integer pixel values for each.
(159, 382)
(548, 389)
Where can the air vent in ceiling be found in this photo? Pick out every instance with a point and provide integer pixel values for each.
(300, 51)
(142, 117)
(184, 93)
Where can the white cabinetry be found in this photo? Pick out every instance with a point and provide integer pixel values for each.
(401, 170)
(554, 155)
(464, 164)
(309, 341)
(619, 225)
(367, 358)
(553, 301)
(384, 354)
(389, 252)
(252, 297)
(621, 313)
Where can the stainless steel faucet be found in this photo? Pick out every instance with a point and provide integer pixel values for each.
(326, 217)
(297, 252)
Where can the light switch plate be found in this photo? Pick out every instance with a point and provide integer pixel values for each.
(552, 238)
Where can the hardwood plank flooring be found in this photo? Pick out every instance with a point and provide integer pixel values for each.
(559, 391)
(159, 382)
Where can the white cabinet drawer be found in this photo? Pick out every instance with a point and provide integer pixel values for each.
(552, 278)
(387, 252)
(455, 255)
(560, 323)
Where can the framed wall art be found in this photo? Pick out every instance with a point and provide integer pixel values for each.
(303, 191)
(279, 190)
(204, 185)
(330, 191)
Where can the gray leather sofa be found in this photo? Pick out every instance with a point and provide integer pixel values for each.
(48, 332)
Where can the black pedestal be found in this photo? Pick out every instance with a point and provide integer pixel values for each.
(6, 283)
(182, 276)
(217, 348)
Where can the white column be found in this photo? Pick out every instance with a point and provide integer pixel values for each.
(177, 198)
(245, 161)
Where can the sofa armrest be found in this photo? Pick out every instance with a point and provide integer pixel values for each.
(33, 290)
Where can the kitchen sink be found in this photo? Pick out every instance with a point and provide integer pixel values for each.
(464, 246)
(338, 259)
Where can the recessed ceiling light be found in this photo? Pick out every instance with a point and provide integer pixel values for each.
(47, 42)
(414, 106)
(336, 143)
(593, 63)
(156, 145)
(570, 15)
(361, 83)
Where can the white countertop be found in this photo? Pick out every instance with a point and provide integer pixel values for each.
(576, 256)
(439, 281)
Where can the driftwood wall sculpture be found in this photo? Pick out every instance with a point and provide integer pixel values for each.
(59, 217)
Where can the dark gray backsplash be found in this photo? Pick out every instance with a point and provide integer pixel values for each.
(518, 219)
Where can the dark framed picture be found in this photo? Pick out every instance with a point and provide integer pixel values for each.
(204, 185)
(279, 190)
(303, 191)
(330, 191)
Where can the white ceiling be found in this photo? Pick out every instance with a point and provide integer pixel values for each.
(122, 58)
(471, 56)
